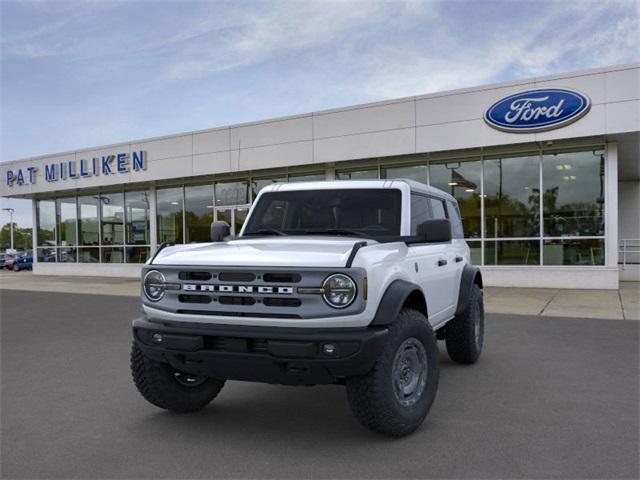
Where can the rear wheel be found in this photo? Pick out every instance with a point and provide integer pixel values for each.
(16, 268)
(396, 395)
(464, 335)
(163, 386)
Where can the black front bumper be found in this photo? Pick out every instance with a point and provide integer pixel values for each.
(289, 356)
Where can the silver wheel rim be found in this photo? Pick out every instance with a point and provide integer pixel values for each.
(409, 372)
(187, 379)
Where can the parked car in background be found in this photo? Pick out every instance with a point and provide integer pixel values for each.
(7, 260)
(23, 262)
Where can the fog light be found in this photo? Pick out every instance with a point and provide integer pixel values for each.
(329, 348)
(156, 338)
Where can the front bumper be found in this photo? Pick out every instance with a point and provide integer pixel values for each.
(289, 356)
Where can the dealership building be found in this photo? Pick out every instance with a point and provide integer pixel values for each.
(546, 172)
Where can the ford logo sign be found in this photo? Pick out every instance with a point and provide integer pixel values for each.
(537, 110)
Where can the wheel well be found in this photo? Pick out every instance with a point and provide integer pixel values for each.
(416, 301)
(478, 280)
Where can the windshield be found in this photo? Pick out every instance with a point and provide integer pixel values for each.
(351, 212)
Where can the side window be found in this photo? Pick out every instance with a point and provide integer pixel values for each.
(456, 222)
(437, 206)
(420, 211)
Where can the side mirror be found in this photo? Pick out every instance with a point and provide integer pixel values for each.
(435, 231)
(219, 231)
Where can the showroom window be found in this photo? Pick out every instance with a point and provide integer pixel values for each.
(232, 193)
(104, 228)
(462, 181)
(307, 177)
(88, 229)
(512, 197)
(112, 227)
(412, 172)
(198, 212)
(46, 230)
(258, 184)
(573, 197)
(169, 214)
(67, 222)
(365, 174)
(573, 207)
(138, 239)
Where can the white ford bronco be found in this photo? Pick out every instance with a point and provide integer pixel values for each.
(346, 282)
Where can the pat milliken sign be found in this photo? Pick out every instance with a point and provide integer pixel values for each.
(105, 165)
(537, 110)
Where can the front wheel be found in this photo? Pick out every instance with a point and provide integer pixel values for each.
(16, 268)
(396, 395)
(165, 387)
(464, 335)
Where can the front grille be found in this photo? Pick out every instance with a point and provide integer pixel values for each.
(282, 302)
(195, 276)
(282, 277)
(236, 277)
(229, 300)
(194, 298)
(267, 292)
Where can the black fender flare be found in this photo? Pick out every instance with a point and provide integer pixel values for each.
(392, 301)
(470, 275)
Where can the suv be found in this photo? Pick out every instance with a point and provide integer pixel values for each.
(346, 282)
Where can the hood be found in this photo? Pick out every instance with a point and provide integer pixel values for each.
(307, 251)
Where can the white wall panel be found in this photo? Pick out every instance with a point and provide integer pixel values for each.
(469, 134)
(461, 107)
(167, 168)
(210, 163)
(271, 133)
(592, 85)
(166, 147)
(211, 141)
(623, 85)
(379, 144)
(366, 119)
(623, 116)
(593, 123)
(299, 153)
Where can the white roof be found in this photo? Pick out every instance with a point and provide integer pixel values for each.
(399, 183)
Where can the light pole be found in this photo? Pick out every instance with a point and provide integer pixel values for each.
(11, 212)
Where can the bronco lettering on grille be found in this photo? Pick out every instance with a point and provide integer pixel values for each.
(192, 287)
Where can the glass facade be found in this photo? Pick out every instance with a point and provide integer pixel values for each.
(198, 212)
(506, 219)
(106, 228)
(461, 179)
(169, 207)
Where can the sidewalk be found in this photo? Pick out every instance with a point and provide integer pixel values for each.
(623, 304)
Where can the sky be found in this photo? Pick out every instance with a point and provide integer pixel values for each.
(86, 73)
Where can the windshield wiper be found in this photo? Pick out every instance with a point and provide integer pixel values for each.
(266, 231)
(337, 231)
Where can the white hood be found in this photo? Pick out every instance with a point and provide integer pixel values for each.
(307, 251)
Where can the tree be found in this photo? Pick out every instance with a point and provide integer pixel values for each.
(21, 237)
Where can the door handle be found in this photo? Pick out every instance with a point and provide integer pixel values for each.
(459, 259)
(442, 262)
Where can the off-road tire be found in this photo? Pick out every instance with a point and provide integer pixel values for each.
(464, 335)
(157, 384)
(372, 398)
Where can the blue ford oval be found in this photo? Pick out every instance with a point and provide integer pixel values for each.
(537, 110)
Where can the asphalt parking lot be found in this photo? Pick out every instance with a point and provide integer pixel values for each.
(550, 398)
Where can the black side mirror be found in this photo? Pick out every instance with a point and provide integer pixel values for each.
(219, 231)
(435, 231)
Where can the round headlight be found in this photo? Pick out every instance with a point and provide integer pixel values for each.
(339, 290)
(153, 285)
